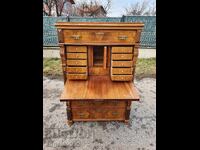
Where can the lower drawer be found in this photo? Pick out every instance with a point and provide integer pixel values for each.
(121, 77)
(103, 104)
(122, 63)
(77, 62)
(77, 76)
(76, 69)
(122, 56)
(122, 70)
(98, 114)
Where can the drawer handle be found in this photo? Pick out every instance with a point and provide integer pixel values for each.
(99, 33)
(76, 37)
(81, 115)
(115, 113)
(124, 37)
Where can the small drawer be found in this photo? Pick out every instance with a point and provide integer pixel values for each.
(73, 49)
(122, 49)
(98, 114)
(99, 36)
(81, 114)
(98, 104)
(76, 69)
(121, 77)
(122, 70)
(122, 63)
(76, 55)
(76, 62)
(77, 76)
(122, 56)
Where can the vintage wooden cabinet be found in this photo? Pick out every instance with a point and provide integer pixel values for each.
(98, 62)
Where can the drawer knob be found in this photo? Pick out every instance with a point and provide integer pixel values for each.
(123, 37)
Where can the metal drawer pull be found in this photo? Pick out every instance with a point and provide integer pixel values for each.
(124, 37)
(115, 113)
(76, 37)
(99, 33)
(81, 114)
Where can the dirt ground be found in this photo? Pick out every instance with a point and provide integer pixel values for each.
(140, 134)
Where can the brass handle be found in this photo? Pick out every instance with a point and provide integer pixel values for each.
(115, 113)
(99, 33)
(76, 37)
(123, 37)
(81, 115)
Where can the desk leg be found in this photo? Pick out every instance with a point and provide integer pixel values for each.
(128, 109)
(69, 114)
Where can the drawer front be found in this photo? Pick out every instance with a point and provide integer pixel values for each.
(76, 69)
(121, 77)
(98, 114)
(76, 55)
(77, 76)
(122, 49)
(99, 36)
(74, 49)
(122, 70)
(98, 104)
(122, 63)
(122, 56)
(76, 62)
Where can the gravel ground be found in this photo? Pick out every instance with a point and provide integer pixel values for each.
(140, 134)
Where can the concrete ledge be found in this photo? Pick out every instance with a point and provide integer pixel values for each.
(53, 52)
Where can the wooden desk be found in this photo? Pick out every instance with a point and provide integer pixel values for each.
(98, 99)
(98, 63)
(99, 88)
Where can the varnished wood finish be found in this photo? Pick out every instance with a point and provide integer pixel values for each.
(122, 71)
(100, 71)
(77, 55)
(100, 36)
(105, 57)
(122, 63)
(119, 49)
(99, 87)
(76, 69)
(77, 62)
(74, 49)
(122, 56)
(98, 103)
(97, 90)
(98, 114)
(77, 76)
(121, 77)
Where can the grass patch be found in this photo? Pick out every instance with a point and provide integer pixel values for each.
(145, 67)
(52, 67)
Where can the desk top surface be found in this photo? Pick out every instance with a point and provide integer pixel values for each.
(99, 88)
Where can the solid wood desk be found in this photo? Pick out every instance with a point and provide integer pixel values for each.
(98, 99)
(98, 64)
